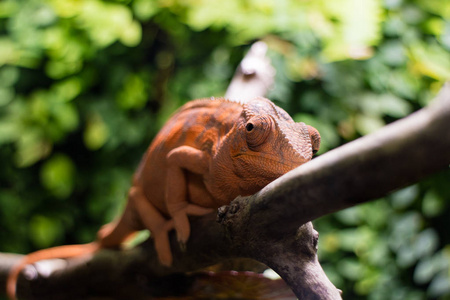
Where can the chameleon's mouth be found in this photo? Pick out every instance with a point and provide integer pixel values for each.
(265, 157)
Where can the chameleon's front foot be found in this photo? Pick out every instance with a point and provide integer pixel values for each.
(181, 221)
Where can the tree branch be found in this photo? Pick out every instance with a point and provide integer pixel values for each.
(254, 75)
(398, 155)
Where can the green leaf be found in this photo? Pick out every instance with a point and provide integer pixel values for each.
(394, 106)
(66, 116)
(58, 175)
(425, 243)
(31, 147)
(96, 133)
(145, 9)
(430, 267)
(368, 124)
(405, 197)
(6, 96)
(357, 29)
(432, 204)
(349, 216)
(351, 269)
(8, 76)
(393, 53)
(8, 131)
(68, 89)
(431, 60)
(440, 286)
(134, 93)
(8, 51)
(44, 231)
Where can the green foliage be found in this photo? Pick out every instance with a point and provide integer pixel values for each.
(85, 85)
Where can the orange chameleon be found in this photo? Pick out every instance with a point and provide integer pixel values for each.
(208, 153)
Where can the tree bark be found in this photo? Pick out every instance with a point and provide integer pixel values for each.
(368, 168)
(271, 226)
(254, 76)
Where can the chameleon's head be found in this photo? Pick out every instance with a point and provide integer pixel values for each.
(268, 143)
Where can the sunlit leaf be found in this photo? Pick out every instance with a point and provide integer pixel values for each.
(8, 51)
(432, 204)
(145, 9)
(368, 124)
(68, 89)
(96, 133)
(44, 231)
(6, 96)
(436, 7)
(405, 227)
(435, 26)
(351, 269)
(430, 267)
(431, 60)
(349, 216)
(394, 106)
(358, 28)
(134, 93)
(8, 132)
(425, 243)
(393, 53)
(367, 283)
(440, 285)
(32, 147)
(58, 175)
(132, 34)
(8, 76)
(66, 116)
(404, 197)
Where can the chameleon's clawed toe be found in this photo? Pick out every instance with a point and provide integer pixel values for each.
(182, 227)
(182, 246)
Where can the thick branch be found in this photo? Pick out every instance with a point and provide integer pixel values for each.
(371, 167)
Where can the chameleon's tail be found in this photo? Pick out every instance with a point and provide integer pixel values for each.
(56, 252)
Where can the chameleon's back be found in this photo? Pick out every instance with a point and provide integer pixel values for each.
(201, 124)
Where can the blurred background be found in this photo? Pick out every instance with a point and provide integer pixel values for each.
(86, 84)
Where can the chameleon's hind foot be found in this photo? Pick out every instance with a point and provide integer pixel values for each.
(180, 218)
(182, 246)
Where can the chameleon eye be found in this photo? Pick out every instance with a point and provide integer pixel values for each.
(257, 130)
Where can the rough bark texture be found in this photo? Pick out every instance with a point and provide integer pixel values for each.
(272, 225)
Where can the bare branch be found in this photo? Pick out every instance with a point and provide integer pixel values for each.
(254, 76)
(400, 154)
